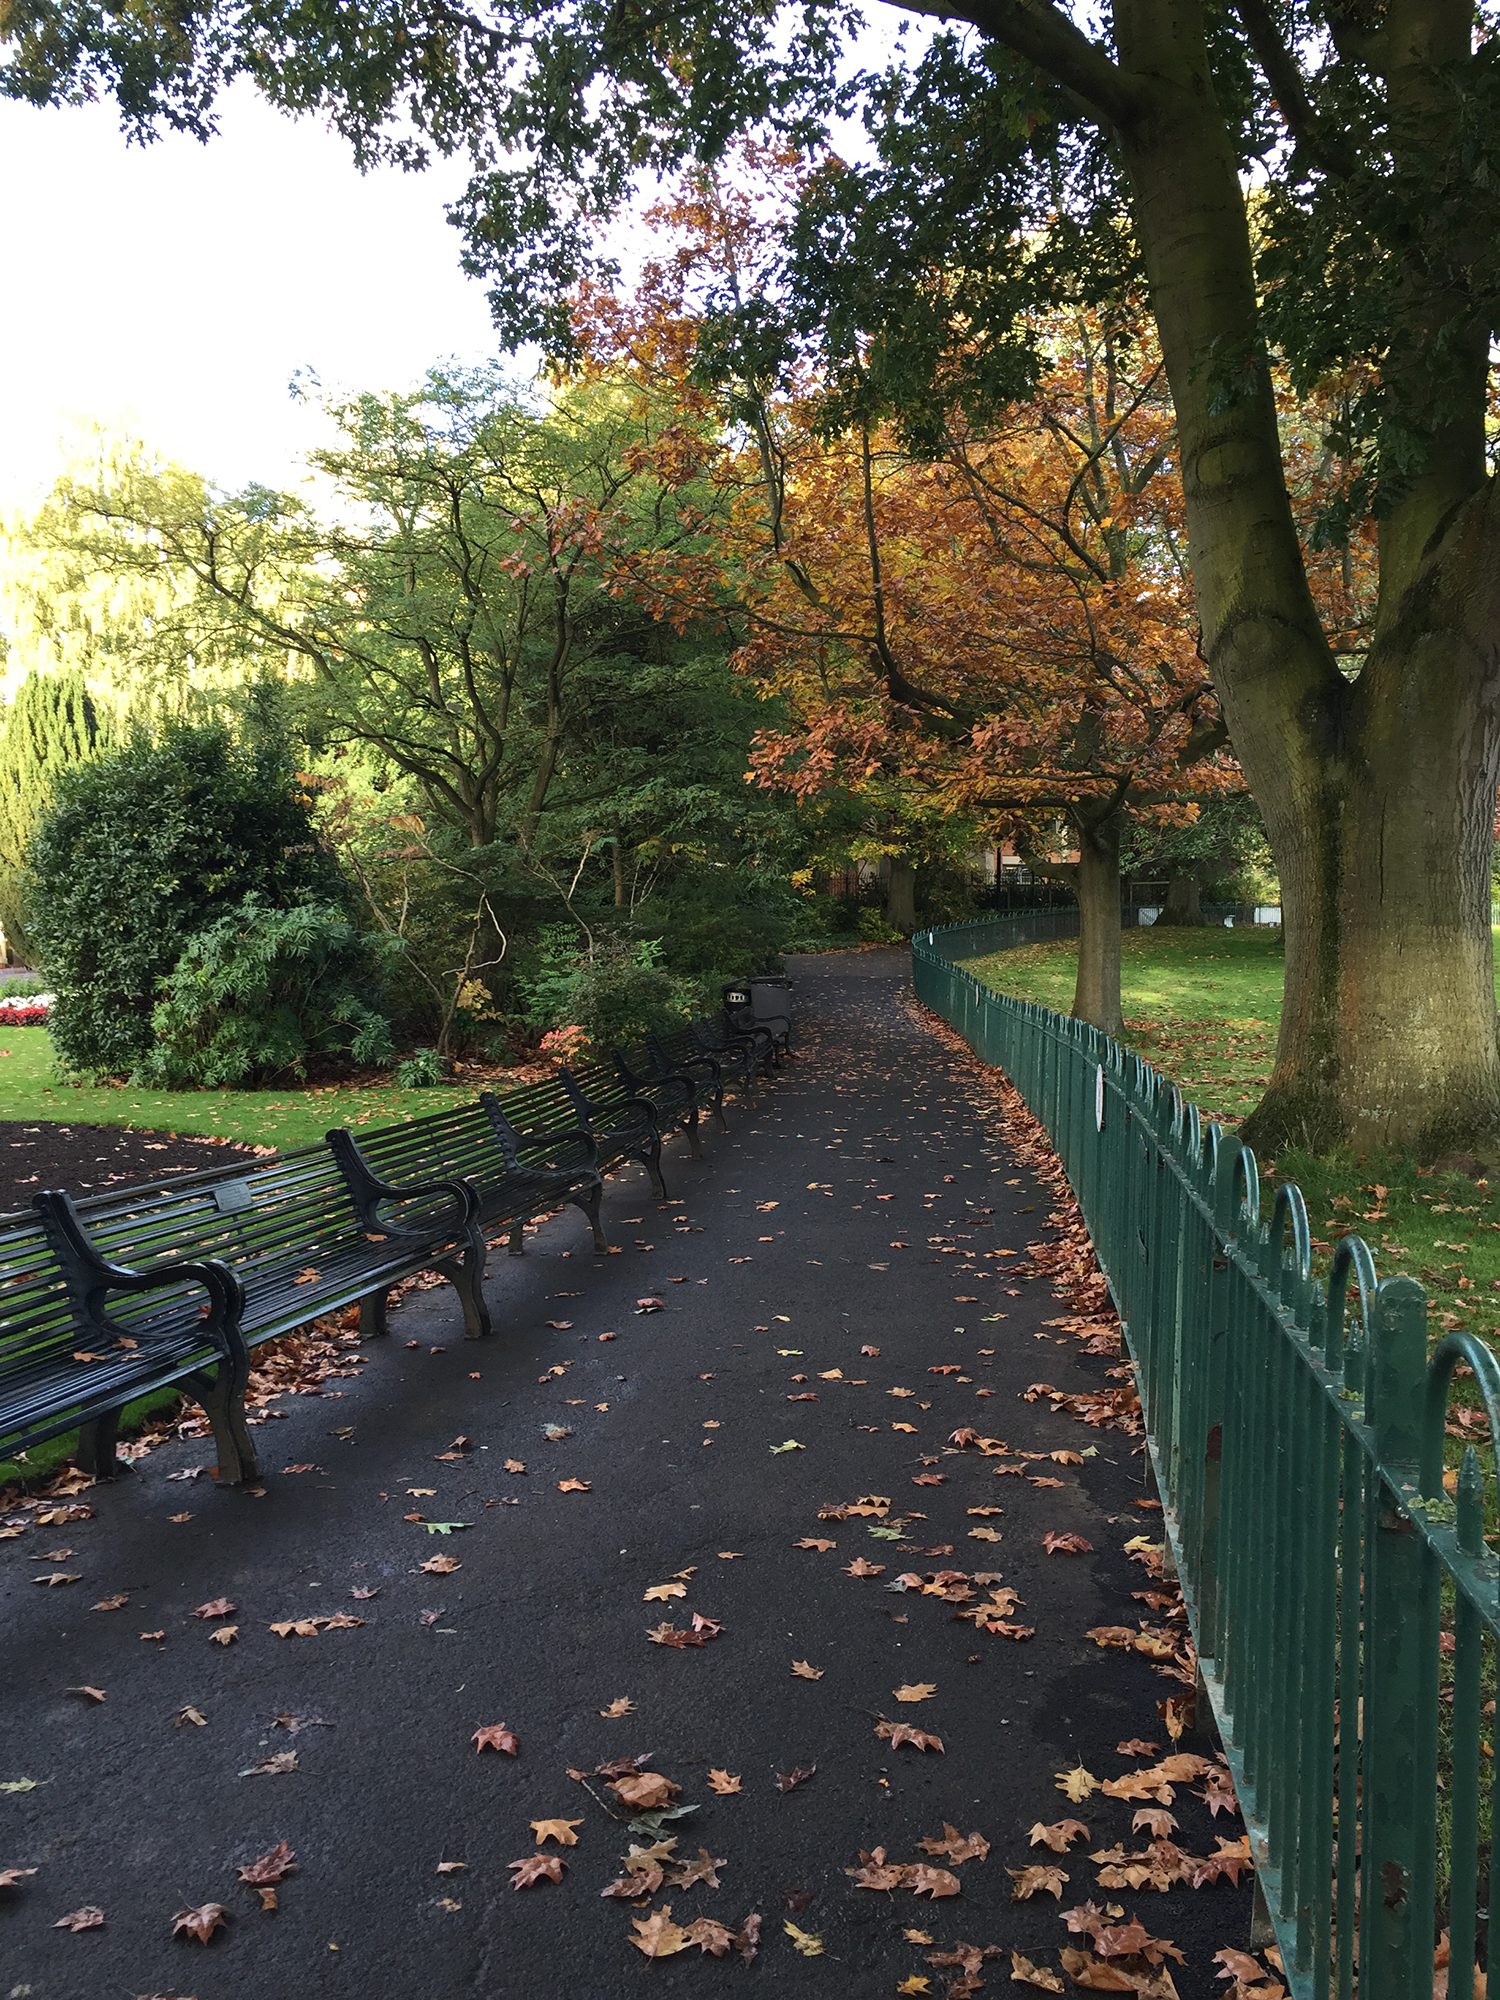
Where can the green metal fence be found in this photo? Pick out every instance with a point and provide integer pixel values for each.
(1297, 1436)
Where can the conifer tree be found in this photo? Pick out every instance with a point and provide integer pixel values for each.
(53, 724)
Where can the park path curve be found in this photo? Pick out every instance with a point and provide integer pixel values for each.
(776, 1259)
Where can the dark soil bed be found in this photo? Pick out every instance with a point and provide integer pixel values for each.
(90, 1159)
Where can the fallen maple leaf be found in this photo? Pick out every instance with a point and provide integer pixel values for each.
(273, 1767)
(872, 1352)
(87, 1919)
(1029, 1880)
(1059, 1836)
(985, 1535)
(646, 1791)
(574, 1486)
(560, 1830)
(917, 1983)
(1134, 1747)
(859, 1567)
(10, 1878)
(558, 1325)
(930, 1479)
(790, 1445)
(805, 1942)
(496, 1736)
(956, 1846)
(515, 1465)
(683, 1874)
(804, 1672)
(1022, 1969)
(1066, 1545)
(217, 1607)
(723, 1783)
(1085, 1970)
(932, 1882)
(710, 1936)
(814, 1542)
(916, 1691)
(897, 1733)
(450, 1867)
(185, 1716)
(875, 1872)
(440, 1565)
(56, 1577)
(660, 1592)
(911, 1431)
(1077, 1783)
(92, 1693)
(789, 1781)
(534, 1868)
(1153, 1820)
(202, 1922)
(657, 1936)
(621, 1705)
(269, 1868)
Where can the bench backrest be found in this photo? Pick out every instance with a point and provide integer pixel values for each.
(464, 1143)
(275, 1217)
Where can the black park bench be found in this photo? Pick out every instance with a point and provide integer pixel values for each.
(477, 1144)
(621, 1126)
(105, 1300)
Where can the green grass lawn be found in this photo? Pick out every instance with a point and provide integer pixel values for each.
(1204, 1007)
(32, 1091)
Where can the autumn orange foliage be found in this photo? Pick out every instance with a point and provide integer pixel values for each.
(1001, 628)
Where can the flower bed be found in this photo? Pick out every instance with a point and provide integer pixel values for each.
(24, 1013)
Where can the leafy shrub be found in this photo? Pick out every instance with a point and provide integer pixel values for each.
(569, 1044)
(143, 849)
(873, 928)
(616, 995)
(260, 991)
(421, 1069)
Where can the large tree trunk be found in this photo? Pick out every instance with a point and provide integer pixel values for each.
(1378, 795)
(1183, 905)
(901, 895)
(1096, 997)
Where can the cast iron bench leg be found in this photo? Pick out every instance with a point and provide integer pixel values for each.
(467, 1278)
(650, 1158)
(372, 1315)
(516, 1242)
(695, 1144)
(96, 1447)
(588, 1200)
(222, 1394)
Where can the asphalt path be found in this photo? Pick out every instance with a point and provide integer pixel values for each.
(775, 1260)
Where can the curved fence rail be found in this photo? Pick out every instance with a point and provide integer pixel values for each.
(1343, 1601)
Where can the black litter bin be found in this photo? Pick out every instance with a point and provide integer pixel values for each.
(739, 1008)
(771, 1004)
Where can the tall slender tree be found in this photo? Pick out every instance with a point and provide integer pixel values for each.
(53, 724)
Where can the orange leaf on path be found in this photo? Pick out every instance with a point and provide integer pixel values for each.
(496, 1736)
(534, 1868)
(200, 1923)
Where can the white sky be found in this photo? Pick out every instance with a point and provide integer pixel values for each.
(173, 289)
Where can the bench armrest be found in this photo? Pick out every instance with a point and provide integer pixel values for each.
(587, 1107)
(369, 1190)
(92, 1275)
